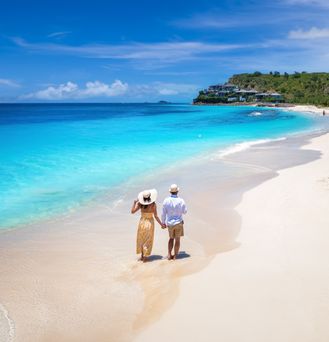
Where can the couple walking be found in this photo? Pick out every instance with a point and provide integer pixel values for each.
(173, 209)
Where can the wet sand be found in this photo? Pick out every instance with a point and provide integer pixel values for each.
(77, 278)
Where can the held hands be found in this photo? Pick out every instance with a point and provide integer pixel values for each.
(163, 226)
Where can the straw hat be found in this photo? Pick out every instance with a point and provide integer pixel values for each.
(173, 188)
(147, 196)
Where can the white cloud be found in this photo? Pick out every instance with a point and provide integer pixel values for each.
(140, 56)
(59, 34)
(160, 52)
(9, 83)
(244, 17)
(71, 90)
(313, 33)
(102, 89)
(55, 93)
(206, 20)
(167, 91)
(323, 3)
(156, 89)
(174, 88)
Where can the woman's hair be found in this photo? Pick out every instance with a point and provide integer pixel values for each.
(146, 199)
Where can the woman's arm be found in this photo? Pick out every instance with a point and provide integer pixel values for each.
(155, 213)
(136, 206)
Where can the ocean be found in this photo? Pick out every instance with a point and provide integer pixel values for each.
(54, 158)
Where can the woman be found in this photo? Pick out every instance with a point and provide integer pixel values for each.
(145, 234)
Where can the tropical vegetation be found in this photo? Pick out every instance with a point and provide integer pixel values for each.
(299, 87)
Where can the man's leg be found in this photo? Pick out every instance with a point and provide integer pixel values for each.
(177, 246)
(170, 247)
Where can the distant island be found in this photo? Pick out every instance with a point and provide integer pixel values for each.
(273, 88)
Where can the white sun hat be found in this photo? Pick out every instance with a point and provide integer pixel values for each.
(147, 196)
(173, 188)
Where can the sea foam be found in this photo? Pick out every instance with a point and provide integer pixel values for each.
(255, 114)
(7, 326)
(246, 145)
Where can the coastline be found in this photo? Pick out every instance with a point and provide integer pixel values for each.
(309, 109)
(164, 171)
(286, 106)
(50, 191)
(78, 253)
(274, 287)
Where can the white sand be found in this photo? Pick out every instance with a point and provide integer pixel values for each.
(77, 279)
(275, 286)
(309, 109)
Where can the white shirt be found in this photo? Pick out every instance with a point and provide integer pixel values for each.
(173, 209)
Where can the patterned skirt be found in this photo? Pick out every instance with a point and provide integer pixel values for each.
(145, 234)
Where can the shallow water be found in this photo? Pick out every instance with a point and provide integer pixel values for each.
(78, 279)
(55, 157)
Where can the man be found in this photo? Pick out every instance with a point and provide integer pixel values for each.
(172, 217)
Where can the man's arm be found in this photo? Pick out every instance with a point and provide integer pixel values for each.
(184, 208)
(157, 217)
(164, 213)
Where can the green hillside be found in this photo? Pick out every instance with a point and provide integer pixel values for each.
(301, 88)
(308, 88)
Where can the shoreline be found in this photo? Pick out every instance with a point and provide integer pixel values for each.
(275, 285)
(190, 160)
(85, 240)
(286, 106)
(309, 109)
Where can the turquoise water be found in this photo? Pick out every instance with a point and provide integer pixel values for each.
(53, 157)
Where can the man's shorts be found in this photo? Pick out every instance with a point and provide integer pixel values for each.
(176, 231)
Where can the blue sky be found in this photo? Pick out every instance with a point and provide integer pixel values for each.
(136, 51)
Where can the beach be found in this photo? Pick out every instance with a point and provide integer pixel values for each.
(75, 276)
(251, 257)
(310, 109)
(106, 109)
(274, 287)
